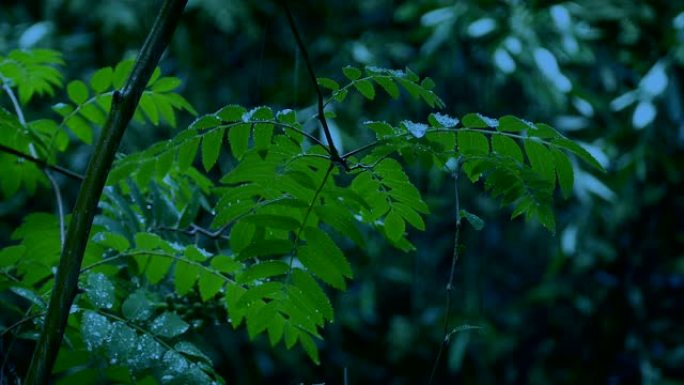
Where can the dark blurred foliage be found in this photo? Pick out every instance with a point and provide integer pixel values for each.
(600, 302)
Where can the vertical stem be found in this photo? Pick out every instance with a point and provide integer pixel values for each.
(124, 103)
(450, 283)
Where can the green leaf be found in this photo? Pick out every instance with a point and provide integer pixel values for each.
(564, 171)
(164, 163)
(204, 122)
(235, 313)
(241, 236)
(352, 73)
(506, 146)
(193, 253)
(63, 109)
(112, 240)
(187, 152)
(388, 85)
(540, 160)
(427, 83)
(401, 188)
(229, 210)
(472, 143)
(394, 226)
(418, 130)
(510, 123)
(166, 84)
(263, 270)
(309, 347)
(101, 79)
(339, 96)
(328, 83)
(225, 264)
(365, 87)
(438, 120)
(168, 325)
(211, 147)
(272, 221)
(137, 307)
(381, 129)
(99, 290)
(148, 241)
(578, 150)
(157, 268)
(341, 219)
(473, 219)
(259, 318)
(287, 116)
(191, 350)
(209, 284)
(266, 248)
(165, 108)
(121, 73)
(546, 217)
(238, 137)
(313, 292)
(231, 113)
(77, 92)
(410, 215)
(255, 294)
(473, 120)
(185, 277)
(149, 107)
(412, 88)
(80, 128)
(323, 258)
(544, 131)
(121, 342)
(291, 334)
(156, 73)
(29, 295)
(263, 132)
(275, 329)
(93, 113)
(94, 329)
(11, 254)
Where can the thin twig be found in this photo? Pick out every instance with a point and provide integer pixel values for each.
(15, 103)
(195, 229)
(450, 284)
(20, 322)
(306, 216)
(321, 113)
(42, 163)
(284, 126)
(34, 154)
(60, 207)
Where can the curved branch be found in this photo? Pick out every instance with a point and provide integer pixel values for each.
(124, 103)
(334, 154)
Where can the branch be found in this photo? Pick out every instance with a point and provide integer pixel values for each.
(42, 163)
(124, 103)
(450, 284)
(335, 156)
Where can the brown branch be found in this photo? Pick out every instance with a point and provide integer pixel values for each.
(124, 103)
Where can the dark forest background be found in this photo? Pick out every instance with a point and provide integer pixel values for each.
(599, 302)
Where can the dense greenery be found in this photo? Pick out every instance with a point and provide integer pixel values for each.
(254, 226)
